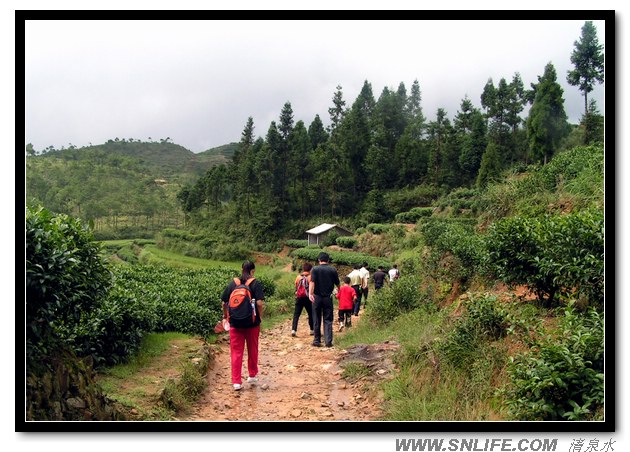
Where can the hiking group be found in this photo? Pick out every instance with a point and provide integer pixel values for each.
(314, 290)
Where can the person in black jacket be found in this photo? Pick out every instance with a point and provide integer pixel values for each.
(379, 278)
(324, 278)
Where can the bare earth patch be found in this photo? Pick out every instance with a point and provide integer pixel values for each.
(297, 382)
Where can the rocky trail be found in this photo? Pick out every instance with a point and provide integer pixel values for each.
(297, 382)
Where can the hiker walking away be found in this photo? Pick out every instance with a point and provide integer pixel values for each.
(379, 278)
(302, 283)
(324, 278)
(356, 282)
(365, 275)
(394, 274)
(243, 306)
(346, 296)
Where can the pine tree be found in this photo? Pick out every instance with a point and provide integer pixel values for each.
(547, 121)
(414, 101)
(337, 111)
(588, 59)
(491, 165)
(470, 129)
(285, 128)
(439, 134)
(317, 133)
(355, 138)
(278, 160)
(301, 149)
(593, 124)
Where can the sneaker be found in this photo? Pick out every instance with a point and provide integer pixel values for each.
(252, 379)
(329, 345)
(237, 387)
(316, 344)
(293, 333)
(311, 333)
(340, 326)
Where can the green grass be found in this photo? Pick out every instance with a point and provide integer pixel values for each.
(154, 254)
(425, 388)
(355, 371)
(140, 384)
(152, 346)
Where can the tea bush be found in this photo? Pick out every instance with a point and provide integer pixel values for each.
(294, 243)
(341, 257)
(562, 377)
(347, 242)
(460, 239)
(388, 303)
(378, 228)
(65, 277)
(484, 320)
(561, 254)
(413, 215)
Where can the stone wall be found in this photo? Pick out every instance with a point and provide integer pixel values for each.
(63, 389)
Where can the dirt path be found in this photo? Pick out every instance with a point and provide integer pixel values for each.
(297, 382)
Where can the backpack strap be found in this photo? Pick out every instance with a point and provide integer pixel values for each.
(237, 281)
(249, 281)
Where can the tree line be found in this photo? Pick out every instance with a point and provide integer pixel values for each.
(375, 145)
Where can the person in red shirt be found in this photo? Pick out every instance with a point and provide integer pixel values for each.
(346, 296)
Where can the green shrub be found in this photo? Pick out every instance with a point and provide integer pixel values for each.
(484, 320)
(406, 199)
(377, 228)
(331, 238)
(388, 303)
(555, 254)
(341, 257)
(458, 238)
(65, 277)
(414, 214)
(562, 377)
(297, 243)
(347, 242)
(128, 254)
(577, 173)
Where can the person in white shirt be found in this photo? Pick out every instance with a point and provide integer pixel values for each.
(394, 274)
(365, 277)
(356, 282)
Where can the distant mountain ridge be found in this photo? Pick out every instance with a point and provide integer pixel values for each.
(163, 159)
(121, 185)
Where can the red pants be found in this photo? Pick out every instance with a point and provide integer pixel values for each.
(238, 338)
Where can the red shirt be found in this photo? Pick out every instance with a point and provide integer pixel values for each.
(346, 296)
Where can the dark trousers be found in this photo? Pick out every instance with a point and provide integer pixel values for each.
(357, 302)
(323, 310)
(365, 294)
(303, 303)
(345, 316)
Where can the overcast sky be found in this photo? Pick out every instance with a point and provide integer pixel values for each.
(198, 82)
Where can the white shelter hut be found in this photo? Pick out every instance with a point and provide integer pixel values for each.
(318, 234)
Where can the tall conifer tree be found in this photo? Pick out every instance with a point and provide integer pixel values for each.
(588, 59)
(547, 121)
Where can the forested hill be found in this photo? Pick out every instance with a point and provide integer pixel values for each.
(218, 155)
(120, 180)
(160, 159)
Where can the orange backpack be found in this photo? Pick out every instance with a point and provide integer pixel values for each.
(241, 309)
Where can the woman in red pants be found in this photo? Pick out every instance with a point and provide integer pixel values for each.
(244, 329)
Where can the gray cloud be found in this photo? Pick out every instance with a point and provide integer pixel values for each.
(198, 82)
